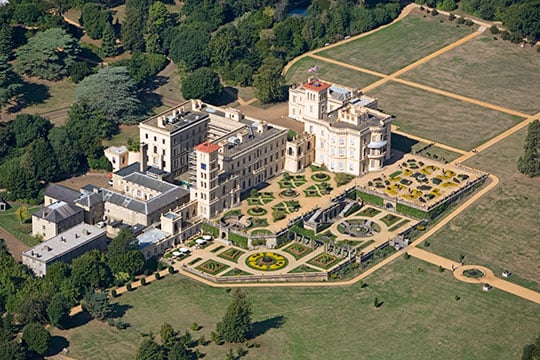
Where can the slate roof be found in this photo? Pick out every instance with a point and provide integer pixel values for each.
(61, 193)
(149, 182)
(58, 211)
(145, 207)
(90, 199)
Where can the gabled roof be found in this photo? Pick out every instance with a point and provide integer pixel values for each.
(61, 193)
(58, 211)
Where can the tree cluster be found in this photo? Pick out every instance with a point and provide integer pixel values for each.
(529, 162)
(174, 346)
(520, 17)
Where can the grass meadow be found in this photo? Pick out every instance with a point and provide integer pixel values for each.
(495, 71)
(420, 318)
(501, 230)
(439, 118)
(298, 73)
(400, 44)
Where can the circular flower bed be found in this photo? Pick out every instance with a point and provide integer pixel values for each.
(257, 211)
(266, 261)
(320, 177)
(289, 193)
(473, 273)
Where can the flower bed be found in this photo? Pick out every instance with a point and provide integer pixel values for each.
(368, 212)
(257, 211)
(231, 254)
(236, 272)
(266, 261)
(325, 261)
(320, 176)
(261, 232)
(390, 219)
(212, 267)
(298, 250)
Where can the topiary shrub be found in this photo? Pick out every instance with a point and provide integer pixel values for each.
(494, 29)
(143, 282)
(129, 287)
(157, 275)
(114, 293)
(170, 269)
(434, 12)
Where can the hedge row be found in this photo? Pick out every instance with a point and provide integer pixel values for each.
(238, 240)
(210, 230)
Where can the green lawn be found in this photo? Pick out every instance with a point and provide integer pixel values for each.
(495, 71)
(23, 232)
(298, 73)
(400, 44)
(439, 118)
(126, 132)
(419, 314)
(501, 230)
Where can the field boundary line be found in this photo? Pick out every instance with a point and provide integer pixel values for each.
(498, 138)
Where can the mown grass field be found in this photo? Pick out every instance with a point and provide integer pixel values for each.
(495, 71)
(419, 319)
(439, 118)
(400, 44)
(501, 230)
(298, 73)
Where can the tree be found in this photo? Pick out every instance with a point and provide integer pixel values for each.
(158, 21)
(11, 84)
(448, 5)
(41, 161)
(95, 18)
(531, 351)
(179, 352)
(190, 47)
(529, 162)
(6, 40)
(123, 254)
(19, 181)
(167, 334)
(79, 70)
(89, 126)
(133, 26)
(48, 55)
(523, 18)
(268, 82)
(68, 153)
(203, 84)
(58, 310)
(36, 338)
(22, 214)
(28, 128)
(90, 270)
(149, 350)
(112, 92)
(11, 350)
(236, 324)
(98, 306)
(108, 41)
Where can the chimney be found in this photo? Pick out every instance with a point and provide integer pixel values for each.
(63, 239)
(144, 151)
(85, 232)
(161, 121)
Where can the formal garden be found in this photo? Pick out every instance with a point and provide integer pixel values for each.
(266, 261)
(420, 181)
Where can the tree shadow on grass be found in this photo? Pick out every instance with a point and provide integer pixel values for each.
(227, 96)
(261, 327)
(56, 345)
(32, 94)
(77, 320)
(119, 310)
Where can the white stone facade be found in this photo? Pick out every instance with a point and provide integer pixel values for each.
(351, 136)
